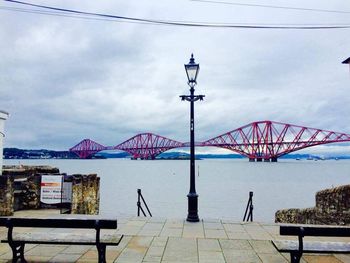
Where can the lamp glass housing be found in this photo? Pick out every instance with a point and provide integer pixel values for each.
(192, 70)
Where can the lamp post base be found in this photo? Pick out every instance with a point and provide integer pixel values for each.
(192, 208)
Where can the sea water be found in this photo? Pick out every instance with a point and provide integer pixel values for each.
(223, 185)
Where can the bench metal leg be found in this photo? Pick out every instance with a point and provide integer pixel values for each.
(18, 252)
(295, 257)
(101, 249)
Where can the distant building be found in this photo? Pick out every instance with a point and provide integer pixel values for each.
(3, 116)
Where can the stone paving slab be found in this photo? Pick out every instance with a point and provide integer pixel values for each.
(157, 240)
(181, 249)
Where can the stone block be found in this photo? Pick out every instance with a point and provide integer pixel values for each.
(6, 195)
(332, 208)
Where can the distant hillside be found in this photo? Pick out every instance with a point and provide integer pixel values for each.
(180, 155)
(113, 155)
(15, 153)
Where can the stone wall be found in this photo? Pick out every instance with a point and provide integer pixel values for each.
(20, 188)
(86, 194)
(21, 171)
(6, 196)
(334, 200)
(26, 184)
(332, 208)
(27, 192)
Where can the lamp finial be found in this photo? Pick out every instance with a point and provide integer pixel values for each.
(192, 59)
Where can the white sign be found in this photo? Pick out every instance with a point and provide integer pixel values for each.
(51, 187)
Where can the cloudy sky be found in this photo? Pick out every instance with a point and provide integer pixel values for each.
(63, 79)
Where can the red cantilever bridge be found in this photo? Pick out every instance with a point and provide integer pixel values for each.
(261, 140)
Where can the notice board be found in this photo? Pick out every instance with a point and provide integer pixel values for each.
(54, 190)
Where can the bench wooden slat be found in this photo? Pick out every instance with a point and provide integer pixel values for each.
(64, 222)
(61, 238)
(312, 247)
(330, 231)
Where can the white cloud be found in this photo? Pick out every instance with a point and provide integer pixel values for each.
(65, 79)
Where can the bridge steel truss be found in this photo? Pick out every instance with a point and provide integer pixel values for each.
(269, 140)
(147, 146)
(86, 148)
(261, 140)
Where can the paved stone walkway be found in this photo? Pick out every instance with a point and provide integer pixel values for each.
(154, 240)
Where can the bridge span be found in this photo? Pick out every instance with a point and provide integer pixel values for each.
(258, 141)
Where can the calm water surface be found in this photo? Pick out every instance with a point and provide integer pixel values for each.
(223, 185)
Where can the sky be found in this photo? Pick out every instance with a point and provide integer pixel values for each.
(64, 79)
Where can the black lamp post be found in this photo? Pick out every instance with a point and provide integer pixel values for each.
(347, 61)
(192, 70)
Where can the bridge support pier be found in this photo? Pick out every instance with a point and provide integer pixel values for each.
(272, 159)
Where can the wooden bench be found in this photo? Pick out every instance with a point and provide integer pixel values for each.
(297, 248)
(17, 241)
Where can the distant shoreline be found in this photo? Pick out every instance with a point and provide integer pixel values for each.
(20, 154)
